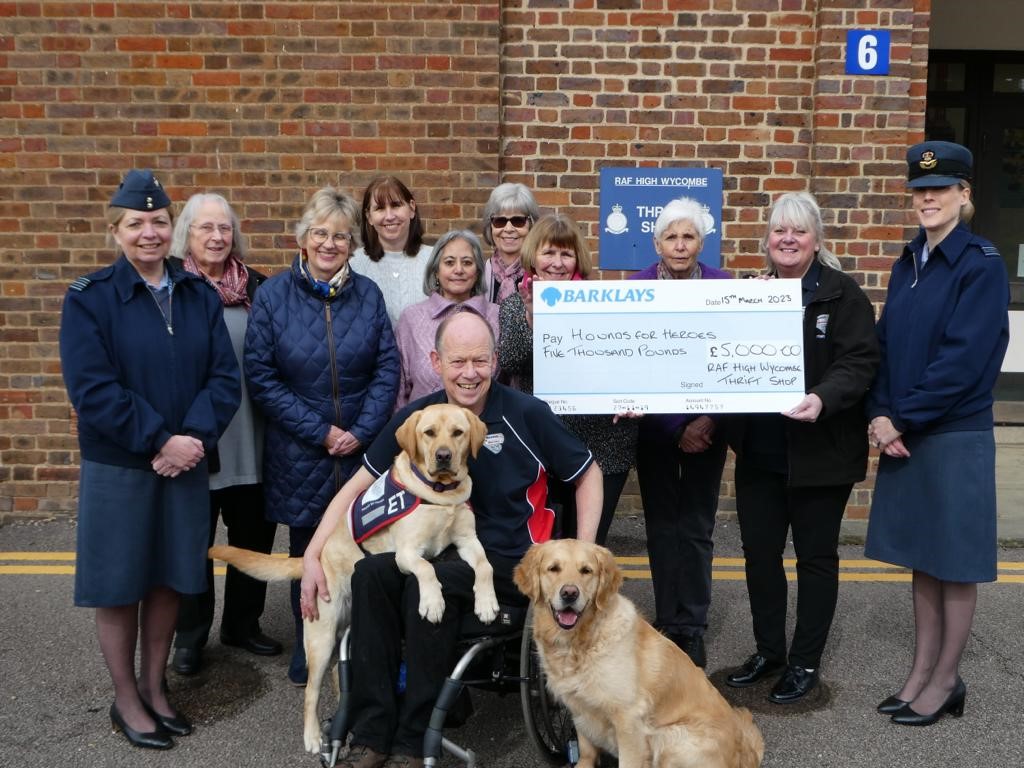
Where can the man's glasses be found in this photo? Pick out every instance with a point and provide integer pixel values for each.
(209, 228)
(340, 239)
(499, 222)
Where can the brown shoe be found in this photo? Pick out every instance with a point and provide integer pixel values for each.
(361, 756)
(404, 761)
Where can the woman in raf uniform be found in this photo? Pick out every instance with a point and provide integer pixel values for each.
(149, 369)
(943, 333)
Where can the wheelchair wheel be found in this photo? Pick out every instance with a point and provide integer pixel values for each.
(548, 723)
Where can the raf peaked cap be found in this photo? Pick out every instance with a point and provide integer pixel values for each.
(938, 164)
(140, 191)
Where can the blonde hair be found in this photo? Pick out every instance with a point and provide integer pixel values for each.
(559, 230)
(799, 209)
(114, 214)
(329, 203)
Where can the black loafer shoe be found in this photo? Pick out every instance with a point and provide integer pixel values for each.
(693, 646)
(754, 669)
(256, 643)
(187, 661)
(795, 683)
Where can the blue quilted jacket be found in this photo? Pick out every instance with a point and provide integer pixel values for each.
(311, 363)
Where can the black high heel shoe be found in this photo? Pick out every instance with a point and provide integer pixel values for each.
(158, 739)
(954, 705)
(891, 705)
(177, 723)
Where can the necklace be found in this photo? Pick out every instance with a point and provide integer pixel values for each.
(168, 314)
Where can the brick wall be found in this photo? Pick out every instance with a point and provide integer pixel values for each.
(266, 101)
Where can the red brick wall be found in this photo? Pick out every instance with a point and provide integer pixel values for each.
(266, 101)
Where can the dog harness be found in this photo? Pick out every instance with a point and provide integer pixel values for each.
(384, 502)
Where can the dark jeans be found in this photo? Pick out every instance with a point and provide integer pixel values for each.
(679, 492)
(241, 508)
(767, 509)
(565, 494)
(385, 610)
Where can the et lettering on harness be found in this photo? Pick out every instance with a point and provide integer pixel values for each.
(384, 502)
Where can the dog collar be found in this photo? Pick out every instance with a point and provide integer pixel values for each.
(435, 485)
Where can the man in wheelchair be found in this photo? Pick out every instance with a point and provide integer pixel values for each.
(525, 443)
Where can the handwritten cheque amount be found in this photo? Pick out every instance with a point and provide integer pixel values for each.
(668, 346)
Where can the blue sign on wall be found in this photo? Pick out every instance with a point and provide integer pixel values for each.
(867, 51)
(632, 198)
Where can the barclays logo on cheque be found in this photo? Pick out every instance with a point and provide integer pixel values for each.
(552, 295)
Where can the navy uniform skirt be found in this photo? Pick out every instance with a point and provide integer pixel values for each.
(936, 511)
(137, 531)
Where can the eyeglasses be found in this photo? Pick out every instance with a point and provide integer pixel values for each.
(209, 228)
(499, 222)
(340, 239)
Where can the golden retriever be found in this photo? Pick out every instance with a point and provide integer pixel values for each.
(630, 690)
(438, 440)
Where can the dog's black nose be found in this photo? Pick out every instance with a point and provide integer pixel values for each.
(443, 456)
(569, 593)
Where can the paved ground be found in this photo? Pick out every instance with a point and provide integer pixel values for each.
(54, 692)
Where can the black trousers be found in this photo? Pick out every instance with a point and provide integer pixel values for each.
(767, 509)
(385, 610)
(565, 494)
(679, 492)
(241, 508)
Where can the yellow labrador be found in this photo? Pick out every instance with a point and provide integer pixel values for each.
(436, 443)
(630, 690)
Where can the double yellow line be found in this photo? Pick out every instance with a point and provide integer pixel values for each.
(731, 569)
(634, 567)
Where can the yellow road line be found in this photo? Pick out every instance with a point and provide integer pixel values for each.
(635, 567)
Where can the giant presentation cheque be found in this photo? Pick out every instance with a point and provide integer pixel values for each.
(668, 346)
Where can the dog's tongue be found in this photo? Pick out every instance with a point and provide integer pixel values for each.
(567, 619)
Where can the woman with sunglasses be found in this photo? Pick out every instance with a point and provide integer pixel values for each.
(393, 254)
(322, 365)
(508, 216)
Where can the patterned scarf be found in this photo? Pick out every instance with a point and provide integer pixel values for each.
(232, 285)
(508, 277)
(325, 290)
(664, 273)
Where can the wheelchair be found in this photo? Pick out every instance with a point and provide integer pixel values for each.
(497, 657)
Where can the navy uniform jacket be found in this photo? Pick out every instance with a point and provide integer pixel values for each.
(133, 384)
(943, 333)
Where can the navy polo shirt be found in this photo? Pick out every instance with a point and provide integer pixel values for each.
(525, 444)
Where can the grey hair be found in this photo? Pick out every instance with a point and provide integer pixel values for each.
(506, 198)
(799, 209)
(329, 203)
(683, 209)
(179, 239)
(430, 280)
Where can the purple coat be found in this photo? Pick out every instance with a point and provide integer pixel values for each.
(665, 428)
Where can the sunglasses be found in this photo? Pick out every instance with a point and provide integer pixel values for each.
(499, 222)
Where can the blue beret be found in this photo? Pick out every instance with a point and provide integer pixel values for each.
(938, 164)
(140, 191)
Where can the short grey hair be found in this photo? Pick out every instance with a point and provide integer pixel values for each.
(430, 280)
(799, 209)
(329, 203)
(507, 198)
(179, 239)
(683, 209)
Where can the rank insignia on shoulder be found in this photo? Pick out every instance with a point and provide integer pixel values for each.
(990, 250)
(80, 284)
